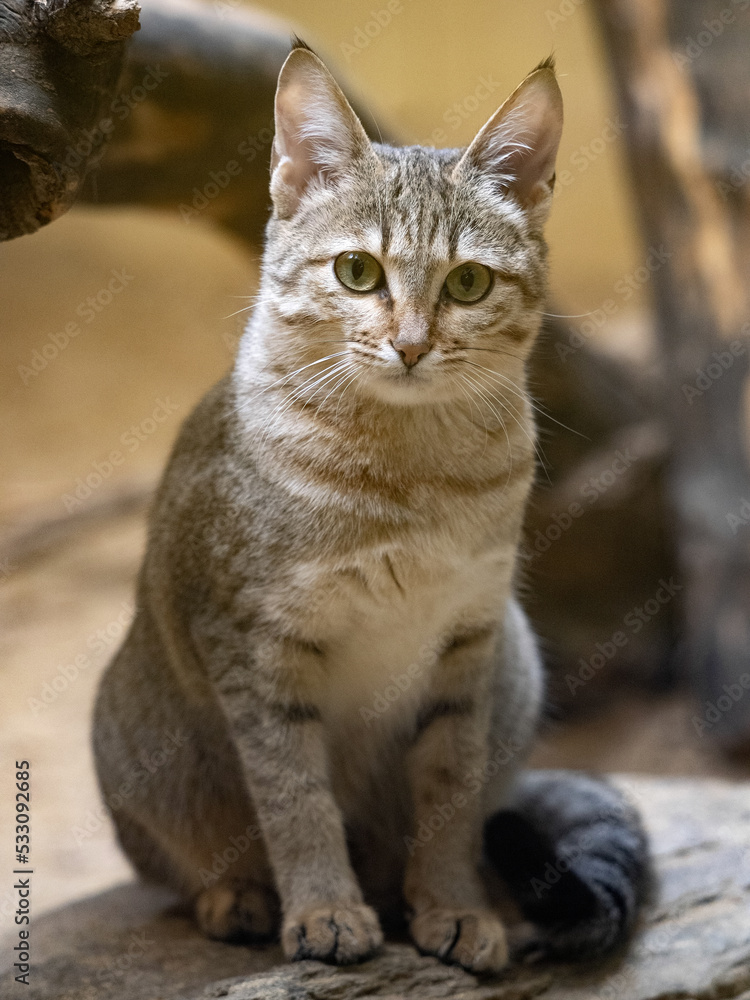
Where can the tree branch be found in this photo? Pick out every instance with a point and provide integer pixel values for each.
(60, 61)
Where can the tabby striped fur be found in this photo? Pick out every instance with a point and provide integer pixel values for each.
(340, 517)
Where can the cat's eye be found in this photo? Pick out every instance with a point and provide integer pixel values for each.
(358, 270)
(468, 282)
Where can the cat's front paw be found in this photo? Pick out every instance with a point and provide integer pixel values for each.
(341, 933)
(474, 939)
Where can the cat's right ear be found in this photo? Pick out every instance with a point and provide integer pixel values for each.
(318, 135)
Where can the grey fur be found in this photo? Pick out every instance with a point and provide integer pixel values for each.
(323, 535)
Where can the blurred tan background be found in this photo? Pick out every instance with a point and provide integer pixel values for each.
(162, 328)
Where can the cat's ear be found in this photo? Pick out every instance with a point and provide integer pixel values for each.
(317, 136)
(516, 149)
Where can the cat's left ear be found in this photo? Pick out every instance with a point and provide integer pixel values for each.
(318, 135)
(516, 149)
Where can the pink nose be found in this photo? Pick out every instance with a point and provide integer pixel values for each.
(410, 351)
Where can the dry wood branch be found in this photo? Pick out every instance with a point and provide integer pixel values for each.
(694, 940)
(59, 65)
(200, 140)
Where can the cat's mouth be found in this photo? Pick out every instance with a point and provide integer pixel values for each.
(413, 375)
(408, 385)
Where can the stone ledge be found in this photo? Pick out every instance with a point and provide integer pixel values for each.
(133, 944)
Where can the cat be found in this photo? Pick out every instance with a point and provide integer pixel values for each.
(326, 622)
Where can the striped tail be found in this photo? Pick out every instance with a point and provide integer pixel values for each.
(574, 855)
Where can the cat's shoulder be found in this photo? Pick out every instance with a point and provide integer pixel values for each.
(208, 466)
(208, 429)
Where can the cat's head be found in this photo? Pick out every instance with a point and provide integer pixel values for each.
(412, 268)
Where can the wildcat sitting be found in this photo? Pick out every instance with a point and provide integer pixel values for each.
(341, 516)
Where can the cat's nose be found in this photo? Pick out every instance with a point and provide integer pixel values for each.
(412, 341)
(410, 353)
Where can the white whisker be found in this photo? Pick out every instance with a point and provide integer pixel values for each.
(515, 414)
(289, 375)
(471, 410)
(337, 385)
(568, 315)
(344, 387)
(481, 391)
(509, 384)
(309, 386)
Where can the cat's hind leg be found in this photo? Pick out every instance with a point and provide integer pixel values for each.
(225, 877)
(175, 793)
(235, 907)
(569, 847)
(238, 909)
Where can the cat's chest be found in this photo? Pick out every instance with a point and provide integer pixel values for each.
(383, 617)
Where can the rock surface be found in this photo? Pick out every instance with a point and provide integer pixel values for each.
(134, 944)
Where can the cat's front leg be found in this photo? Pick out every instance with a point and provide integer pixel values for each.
(280, 742)
(451, 917)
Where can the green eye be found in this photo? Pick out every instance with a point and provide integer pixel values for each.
(468, 282)
(358, 271)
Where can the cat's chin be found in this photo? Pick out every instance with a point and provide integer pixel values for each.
(409, 389)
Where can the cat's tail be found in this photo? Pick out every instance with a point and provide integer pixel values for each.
(574, 855)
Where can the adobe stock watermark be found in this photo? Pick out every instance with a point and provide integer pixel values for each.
(216, 532)
(391, 693)
(711, 28)
(97, 642)
(615, 985)
(714, 711)
(741, 517)
(737, 179)
(400, 683)
(231, 339)
(563, 12)
(633, 622)
(625, 288)
(365, 34)
(131, 440)
(239, 844)
(721, 362)
(473, 782)
(78, 153)
(219, 180)
(224, 8)
(460, 111)
(590, 492)
(87, 311)
(124, 964)
(148, 765)
(615, 814)
(582, 158)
